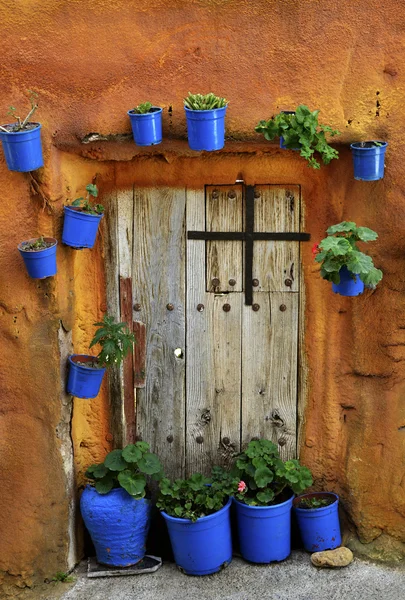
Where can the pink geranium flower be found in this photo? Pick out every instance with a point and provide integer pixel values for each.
(242, 486)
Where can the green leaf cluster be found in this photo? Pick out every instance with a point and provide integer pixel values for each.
(340, 249)
(302, 131)
(266, 475)
(22, 124)
(142, 108)
(127, 468)
(204, 102)
(115, 339)
(85, 204)
(197, 496)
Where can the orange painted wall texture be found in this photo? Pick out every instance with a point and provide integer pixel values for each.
(92, 61)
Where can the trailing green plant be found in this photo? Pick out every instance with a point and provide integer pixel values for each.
(301, 130)
(84, 203)
(36, 245)
(197, 496)
(340, 249)
(115, 339)
(127, 468)
(315, 502)
(62, 577)
(204, 102)
(21, 124)
(142, 108)
(263, 476)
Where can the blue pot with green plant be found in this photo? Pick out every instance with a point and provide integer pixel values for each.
(115, 507)
(205, 121)
(81, 220)
(86, 372)
(300, 130)
(368, 160)
(343, 263)
(197, 515)
(146, 123)
(318, 520)
(264, 499)
(22, 140)
(39, 255)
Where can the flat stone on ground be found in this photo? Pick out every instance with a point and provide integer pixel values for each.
(340, 557)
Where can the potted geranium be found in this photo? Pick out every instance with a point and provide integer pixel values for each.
(343, 263)
(368, 160)
(146, 123)
(197, 514)
(205, 116)
(300, 130)
(116, 508)
(81, 220)
(264, 499)
(22, 140)
(39, 256)
(318, 520)
(86, 372)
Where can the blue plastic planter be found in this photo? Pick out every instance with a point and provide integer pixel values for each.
(40, 263)
(350, 284)
(319, 527)
(147, 128)
(264, 531)
(368, 160)
(22, 149)
(118, 525)
(83, 382)
(206, 128)
(203, 547)
(79, 228)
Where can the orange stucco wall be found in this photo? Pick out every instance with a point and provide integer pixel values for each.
(92, 61)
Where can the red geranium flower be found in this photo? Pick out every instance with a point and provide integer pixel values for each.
(315, 250)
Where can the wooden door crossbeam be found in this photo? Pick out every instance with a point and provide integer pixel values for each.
(249, 236)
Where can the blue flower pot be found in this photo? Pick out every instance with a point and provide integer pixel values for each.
(264, 531)
(118, 525)
(147, 128)
(368, 160)
(83, 382)
(22, 149)
(40, 263)
(350, 284)
(79, 228)
(282, 145)
(319, 527)
(206, 128)
(203, 547)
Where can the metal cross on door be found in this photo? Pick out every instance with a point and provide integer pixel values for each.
(221, 344)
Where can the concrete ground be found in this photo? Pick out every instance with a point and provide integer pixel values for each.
(294, 579)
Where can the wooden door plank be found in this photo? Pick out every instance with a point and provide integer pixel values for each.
(224, 212)
(275, 264)
(128, 363)
(213, 359)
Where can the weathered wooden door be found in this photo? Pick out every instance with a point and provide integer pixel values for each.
(218, 372)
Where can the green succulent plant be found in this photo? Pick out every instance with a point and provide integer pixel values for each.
(204, 102)
(142, 108)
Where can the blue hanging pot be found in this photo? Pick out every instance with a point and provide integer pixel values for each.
(203, 547)
(368, 160)
(79, 228)
(22, 149)
(84, 382)
(319, 527)
(118, 525)
(350, 284)
(147, 127)
(40, 263)
(206, 128)
(264, 531)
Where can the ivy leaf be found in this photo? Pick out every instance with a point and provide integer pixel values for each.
(114, 461)
(131, 453)
(133, 483)
(149, 464)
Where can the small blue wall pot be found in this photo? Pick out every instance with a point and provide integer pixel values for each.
(319, 527)
(264, 531)
(79, 228)
(118, 525)
(22, 149)
(147, 127)
(83, 382)
(206, 128)
(349, 285)
(40, 263)
(368, 160)
(203, 547)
